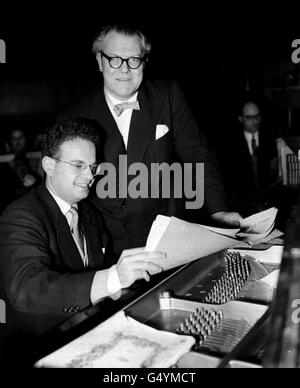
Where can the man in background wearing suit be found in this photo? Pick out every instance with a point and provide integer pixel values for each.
(248, 158)
(52, 240)
(149, 122)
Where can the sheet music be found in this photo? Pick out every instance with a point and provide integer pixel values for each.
(120, 342)
(184, 242)
(256, 227)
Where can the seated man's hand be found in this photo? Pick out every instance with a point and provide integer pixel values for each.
(136, 264)
(227, 218)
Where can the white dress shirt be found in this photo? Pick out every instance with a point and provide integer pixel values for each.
(109, 277)
(123, 121)
(65, 207)
(249, 137)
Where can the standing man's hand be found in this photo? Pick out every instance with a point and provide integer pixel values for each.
(136, 264)
(227, 218)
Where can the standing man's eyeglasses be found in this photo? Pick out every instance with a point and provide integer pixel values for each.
(81, 166)
(116, 62)
(253, 117)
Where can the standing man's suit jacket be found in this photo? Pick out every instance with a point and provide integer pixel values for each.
(41, 269)
(162, 103)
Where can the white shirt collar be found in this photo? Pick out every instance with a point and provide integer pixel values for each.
(249, 135)
(113, 100)
(63, 205)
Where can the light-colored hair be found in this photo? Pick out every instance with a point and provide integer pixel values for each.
(124, 29)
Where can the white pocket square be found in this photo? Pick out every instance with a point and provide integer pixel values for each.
(161, 130)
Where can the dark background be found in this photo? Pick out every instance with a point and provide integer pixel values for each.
(216, 53)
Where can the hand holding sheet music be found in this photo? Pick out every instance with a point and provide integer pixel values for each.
(184, 242)
(255, 227)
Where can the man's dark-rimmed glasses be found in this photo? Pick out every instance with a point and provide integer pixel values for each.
(116, 62)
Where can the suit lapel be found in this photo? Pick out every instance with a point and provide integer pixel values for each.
(114, 144)
(143, 125)
(65, 241)
(93, 237)
(141, 131)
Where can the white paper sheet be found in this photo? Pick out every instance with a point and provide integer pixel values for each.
(256, 227)
(272, 278)
(159, 227)
(120, 342)
(261, 239)
(184, 242)
(259, 222)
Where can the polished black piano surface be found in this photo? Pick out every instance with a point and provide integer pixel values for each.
(221, 300)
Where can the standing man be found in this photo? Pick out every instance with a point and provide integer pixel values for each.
(251, 120)
(149, 122)
(52, 241)
(248, 157)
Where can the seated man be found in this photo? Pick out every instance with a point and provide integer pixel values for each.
(52, 240)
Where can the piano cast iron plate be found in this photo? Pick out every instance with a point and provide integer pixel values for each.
(241, 281)
(218, 329)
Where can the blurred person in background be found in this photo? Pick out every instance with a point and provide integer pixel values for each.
(248, 158)
(17, 174)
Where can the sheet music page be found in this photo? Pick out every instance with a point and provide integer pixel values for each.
(120, 342)
(259, 222)
(184, 242)
(257, 226)
(158, 228)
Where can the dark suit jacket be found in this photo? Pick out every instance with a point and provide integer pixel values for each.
(42, 272)
(236, 163)
(129, 220)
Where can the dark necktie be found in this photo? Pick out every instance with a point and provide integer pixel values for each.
(254, 146)
(119, 108)
(255, 159)
(72, 217)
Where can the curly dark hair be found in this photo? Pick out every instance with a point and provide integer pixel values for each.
(65, 130)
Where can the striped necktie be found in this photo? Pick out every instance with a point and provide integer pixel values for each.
(72, 216)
